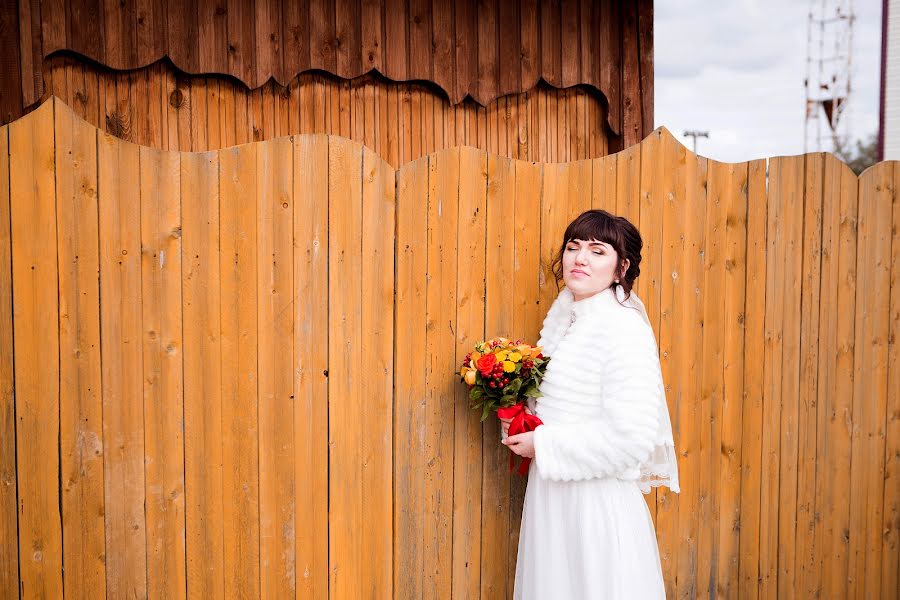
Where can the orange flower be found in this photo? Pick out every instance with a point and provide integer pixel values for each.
(486, 363)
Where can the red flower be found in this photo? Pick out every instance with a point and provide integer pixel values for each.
(486, 363)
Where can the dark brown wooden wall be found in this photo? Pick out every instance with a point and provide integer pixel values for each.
(481, 49)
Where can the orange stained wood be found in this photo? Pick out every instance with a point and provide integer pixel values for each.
(255, 353)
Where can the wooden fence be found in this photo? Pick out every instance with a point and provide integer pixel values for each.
(232, 374)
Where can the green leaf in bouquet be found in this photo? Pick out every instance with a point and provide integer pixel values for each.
(514, 387)
(531, 391)
(508, 400)
(476, 393)
(485, 412)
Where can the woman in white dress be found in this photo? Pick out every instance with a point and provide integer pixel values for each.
(586, 532)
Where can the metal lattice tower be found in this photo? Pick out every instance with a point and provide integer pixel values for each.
(828, 68)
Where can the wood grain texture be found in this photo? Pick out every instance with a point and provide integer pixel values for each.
(9, 557)
(257, 443)
(81, 400)
(482, 50)
(35, 277)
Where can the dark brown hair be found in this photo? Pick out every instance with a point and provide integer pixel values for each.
(618, 232)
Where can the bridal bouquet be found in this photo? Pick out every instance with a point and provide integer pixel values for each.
(501, 375)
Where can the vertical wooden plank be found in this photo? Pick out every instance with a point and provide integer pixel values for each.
(664, 186)
(466, 50)
(377, 344)
(182, 35)
(711, 382)
(656, 187)
(161, 260)
(772, 368)
(645, 64)
(791, 194)
(628, 180)
(241, 41)
(890, 560)
(318, 105)
(150, 25)
(440, 323)
(119, 34)
(528, 315)
(604, 182)
(754, 348)
(345, 394)
(420, 40)
(416, 124)
(396, 40)
(36, 350)
(9, 551)
(443, 54)
(409, 384)
(835, 390)
(467, 453)
(571, 47)
(201, 299)
(322, 53)
(11, 105)
(551, 44)
(311, 363)
(214, 116)
(80, 403)
(579, 191)
(808, 462)
(274, 167)
(267, 34)
(239, 180)
(734, 234)
(630, 95)
(509, 51)
(487, 56)
(529, 23)
(498, 321)
(156, 112)
(212, 34)
(870, 381)
(347, 27)
(679, 541)
(123, 418)
(296, 38)
(372, 39)
(553, 226)
(675, 256)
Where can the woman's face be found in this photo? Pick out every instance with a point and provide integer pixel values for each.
(589, 267)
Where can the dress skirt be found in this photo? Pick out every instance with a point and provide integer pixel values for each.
(591, 539)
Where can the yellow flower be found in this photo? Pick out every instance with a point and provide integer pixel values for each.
(515, 357)
(475, 356)
(509, 367)
(470, 377)
(501, 356)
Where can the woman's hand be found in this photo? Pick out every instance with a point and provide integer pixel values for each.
(521, 443)
(504, 423)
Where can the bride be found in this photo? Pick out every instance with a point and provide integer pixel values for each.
(586, 531)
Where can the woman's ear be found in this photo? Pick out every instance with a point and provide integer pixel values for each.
(625, 264)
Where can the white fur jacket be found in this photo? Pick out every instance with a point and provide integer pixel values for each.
(603, 403)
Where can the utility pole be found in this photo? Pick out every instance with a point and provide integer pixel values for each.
(695, 135)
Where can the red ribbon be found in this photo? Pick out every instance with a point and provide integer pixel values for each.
(521, 422)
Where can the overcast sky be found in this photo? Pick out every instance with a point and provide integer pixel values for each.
(735, 68)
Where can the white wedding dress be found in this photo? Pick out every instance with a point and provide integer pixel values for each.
(586, 531)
